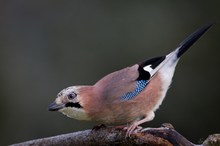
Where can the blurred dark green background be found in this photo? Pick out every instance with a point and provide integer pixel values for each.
(49, 45)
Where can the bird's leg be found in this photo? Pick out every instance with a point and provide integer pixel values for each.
(135, 124)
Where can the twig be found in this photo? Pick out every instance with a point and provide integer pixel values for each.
(162, 136)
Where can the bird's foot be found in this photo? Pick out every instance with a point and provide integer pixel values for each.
(134, 128)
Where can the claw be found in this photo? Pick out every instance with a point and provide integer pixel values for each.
(135, 124)
(134, 128)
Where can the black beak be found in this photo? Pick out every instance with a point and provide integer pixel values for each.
(55, 107)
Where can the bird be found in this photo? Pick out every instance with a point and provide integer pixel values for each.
(129, 96)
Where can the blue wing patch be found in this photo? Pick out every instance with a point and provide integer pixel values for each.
(140, 85)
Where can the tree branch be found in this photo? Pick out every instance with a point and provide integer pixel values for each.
(162, 136)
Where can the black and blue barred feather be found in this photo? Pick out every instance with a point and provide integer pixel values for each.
(140, 85)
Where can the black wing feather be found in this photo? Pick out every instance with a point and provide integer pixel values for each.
(154, 62)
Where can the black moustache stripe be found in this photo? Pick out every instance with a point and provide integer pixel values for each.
(71, 104)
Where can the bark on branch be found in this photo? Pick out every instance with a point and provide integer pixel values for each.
(162, 136)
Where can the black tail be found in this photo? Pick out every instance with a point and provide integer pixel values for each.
(191, 39)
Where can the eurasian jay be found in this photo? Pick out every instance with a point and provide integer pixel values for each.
(128, 96)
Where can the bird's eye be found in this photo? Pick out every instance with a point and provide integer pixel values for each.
(71, 96)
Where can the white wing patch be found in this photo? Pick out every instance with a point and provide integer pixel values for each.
(148, 68)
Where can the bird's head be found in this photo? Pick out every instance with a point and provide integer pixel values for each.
(68, 102)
